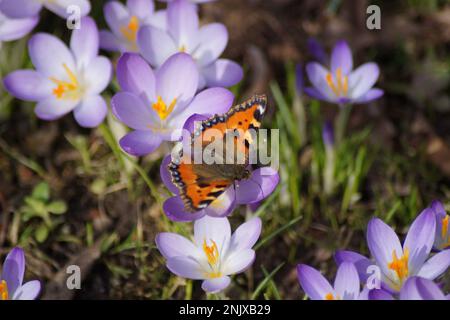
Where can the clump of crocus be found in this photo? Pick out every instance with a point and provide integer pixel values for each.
(11, 279)
(183, 34)
(415, 288)
(341, 84)
(156, 105)
(442, 238)
(31, 8)
(214, 254)
(125, 22)
(65, 79)
(398, 263)
(346, 284)
(15, 28)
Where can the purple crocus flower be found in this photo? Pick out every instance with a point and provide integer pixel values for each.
(346, 284)
(65, 79)
(415, 288)
(13, 29)
(11, 279)
(261, 184)
(342, 84)
(315, 48)
(125, 22)
(214, 254)
(205, 44)
(398, 263)
(442, 238)
(157, 105)
(31, 8)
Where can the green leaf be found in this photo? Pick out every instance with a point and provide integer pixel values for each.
(57, 207)
(41, 192)
(265, 282)
(41, 233)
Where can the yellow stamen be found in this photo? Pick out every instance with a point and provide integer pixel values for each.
(400, 265)
(444, 226)
(182, 48)
(161, 108)
(130, 31)
(340, 88)
(329, 296)
(66, 89)
(3, 290)
(212, 253)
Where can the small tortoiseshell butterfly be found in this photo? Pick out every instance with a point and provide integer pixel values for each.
(201, 184)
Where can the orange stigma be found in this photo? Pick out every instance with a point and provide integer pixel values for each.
(329, 296)
(340, 86)
(161, 108)
(3, 290)
(444, 232)
(130, 31)
(400, 265)
(66, 89)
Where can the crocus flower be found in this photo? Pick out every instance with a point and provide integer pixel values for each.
(65, 79)
(315, 48)
(13, 29)
(346, 284)
(260, 185)
(205, 44)
(415, 288)
(442, 238)
(11, 279)
(31, 8)
(341, 84)
(125, 21)
(214, 254)
(157, 105)
(398, 263)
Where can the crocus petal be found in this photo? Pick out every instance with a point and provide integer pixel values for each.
(213, 40)
(49, 55)
(341, 57)
(317, 51)
(61, 7)
(313, 283)
(370, 96)
(436, 265)
(417, 288)
(223, 205)
(173, 245)
(185, 267)
(166, 177)
(260, 185)
(155, 45)
(317, 76)
(12, 29)
(129, 109)
(419, 239)
(136, 76)
(28, 85)
(346, 283)
(91, 111)
(159, 19)
(217, 229)
(98, 75)
(29, 291)
(141, 8)
(383, 242)
(246, 235)
(360, 262)
(177, 79)
(51, 108)
(222, 73)
(108, 41)
(362, 79)
(182, 22)
(20, 8)
(85, 41)
(140, 142)
(380, 294)
(216, 284)
(314, 93)
(175, 211)
(116, 15)
(238, 261)
(14, 269)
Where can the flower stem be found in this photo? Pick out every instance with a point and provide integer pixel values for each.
(341, 122)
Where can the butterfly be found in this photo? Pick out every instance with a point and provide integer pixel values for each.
(200, 183)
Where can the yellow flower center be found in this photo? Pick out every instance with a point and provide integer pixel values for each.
(182, 48)
(3, 290)
(340, 86)
(69, 90)
(161, 108)
(400, 265)
(130, 30)
(444, 232)
(212, 254)
(329, 296)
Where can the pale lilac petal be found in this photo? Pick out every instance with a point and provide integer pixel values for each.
(84, 42)
(370, 96)
(12, 29)
(155, 45)
(116, 15)
(216, 284)
(140, 142)
(362, 79)
(246, 235)
(166, 177)
(108, 41)
(317, 76)
(20, 8)
(158, 20)
(436, 265)
(238, 261)
(98, 75)
(60, 7)
(14, 269)
(364, 294)
(347, 283)
(383, 242)
(213, 40)
(175, 211)
(361, 263)
(129, 109)
(260, 185)
(222, 73)
(380, 294)
(223, 205)
(141, 8)
(182, 23)
(341, 57)
(216, 229)
(420, 239)
(91, 111)
(417, 288)
(49, 54)
(29, 291)
(28, 85)
(313, 283)
(185, 267)
(52, 108)
(173, 245)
